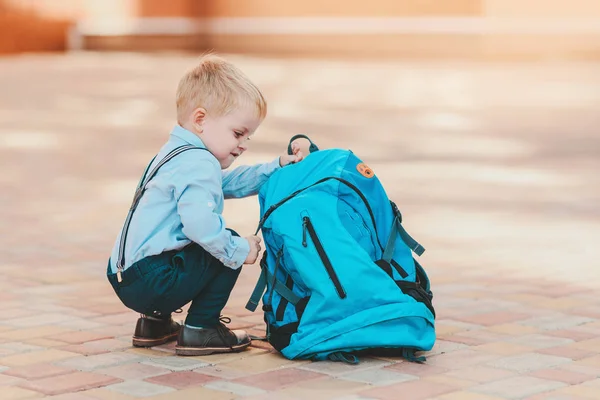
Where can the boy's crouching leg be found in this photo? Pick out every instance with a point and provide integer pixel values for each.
(194, 341)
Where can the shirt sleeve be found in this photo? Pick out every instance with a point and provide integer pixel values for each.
(245, 180)
(197, 198)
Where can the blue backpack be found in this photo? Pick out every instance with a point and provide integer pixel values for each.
(338, 268)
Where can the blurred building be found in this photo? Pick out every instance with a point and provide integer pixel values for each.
(407, 28)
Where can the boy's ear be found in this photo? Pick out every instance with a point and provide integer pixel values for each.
(198, 117)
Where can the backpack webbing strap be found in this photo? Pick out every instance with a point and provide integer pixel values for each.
(278, 286)
(397, 228)
(258, 291)
(409, 355)
(343, 356)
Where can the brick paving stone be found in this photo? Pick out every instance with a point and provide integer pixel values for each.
(377, 377)
(569, 351)
(112, 331)
(69, 383)
(223, 372)
(555, 395)
(181, 379)
(420, 370)
(494, 318)
(7, 380)
(262, 345)
(578, 391)
(37, 371)
(465, 358)
(528, 362)
(513, 329)
(98, 346)
(501, 348)
(176, 363)
(133, 371)
(353, 397)
(446, 327)
(555, 322)
(466, 340)
(195, 393)
(562, 375)
(418, 390)
(445, 346)
(45, 343)
(139, 388)
(591, 345)
(338, 368)
(31, 333)
(79, 337)
(517, 387)
(36, 320)
(16, 393)
(572, 334)
(91, 363)
(82, 324)
(106, 394)
(462, 395)
(479, 374)
(36, 357)
(458, 383)
(72, 396)
(17, 347)
(153, 352)
(320, 389)
(590, 361)
(263, 362)
(278, 379)
(538, 341)
(235, 388)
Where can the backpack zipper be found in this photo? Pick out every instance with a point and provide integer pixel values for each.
(308, 226)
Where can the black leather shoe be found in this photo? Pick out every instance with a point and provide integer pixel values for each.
(153, 331)
(205, 341)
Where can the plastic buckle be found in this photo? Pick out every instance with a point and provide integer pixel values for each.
(396, 211)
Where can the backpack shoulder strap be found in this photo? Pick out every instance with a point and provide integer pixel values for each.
(141, 188)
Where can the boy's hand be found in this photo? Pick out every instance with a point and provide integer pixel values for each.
(297, 156)
(254, 242)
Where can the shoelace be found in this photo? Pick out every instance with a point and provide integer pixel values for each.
(224, 332)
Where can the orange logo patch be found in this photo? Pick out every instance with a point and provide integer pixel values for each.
(364, 170)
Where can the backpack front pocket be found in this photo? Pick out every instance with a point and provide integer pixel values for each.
(307, 227)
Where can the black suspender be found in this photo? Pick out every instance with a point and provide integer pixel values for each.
(141, 188)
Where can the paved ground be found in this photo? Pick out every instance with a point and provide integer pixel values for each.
(494, 166)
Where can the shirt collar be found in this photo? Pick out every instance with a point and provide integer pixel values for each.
(187, 136)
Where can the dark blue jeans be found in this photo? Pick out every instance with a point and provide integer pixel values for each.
(158, 285)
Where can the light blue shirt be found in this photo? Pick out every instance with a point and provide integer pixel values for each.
(184, 203)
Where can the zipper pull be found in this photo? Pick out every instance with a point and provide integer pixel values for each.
(304, 223)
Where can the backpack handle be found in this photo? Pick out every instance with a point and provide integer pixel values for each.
(312, 148)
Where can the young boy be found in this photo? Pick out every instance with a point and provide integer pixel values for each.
(175, 246)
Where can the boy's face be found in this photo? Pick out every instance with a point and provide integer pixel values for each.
(226, 137)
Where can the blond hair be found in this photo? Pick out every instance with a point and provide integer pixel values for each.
(217, 86)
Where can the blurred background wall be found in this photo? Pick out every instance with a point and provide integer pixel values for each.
(500, 29)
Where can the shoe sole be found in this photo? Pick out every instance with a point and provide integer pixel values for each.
(205, 351)
(142, 342)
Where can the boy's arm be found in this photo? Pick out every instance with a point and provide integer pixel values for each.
(245, 180)
(197, 196)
